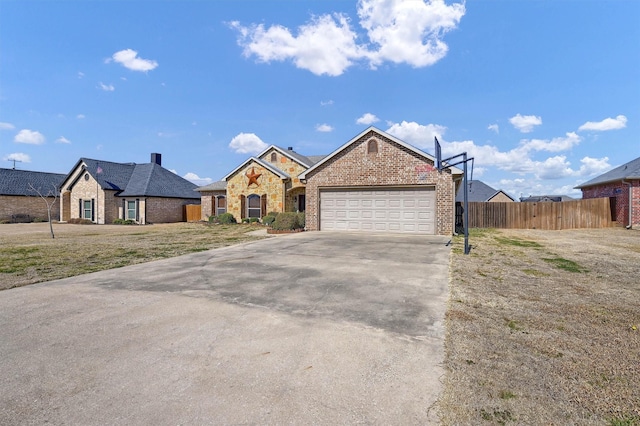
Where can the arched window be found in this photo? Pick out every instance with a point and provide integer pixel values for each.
(372, 146)
(274, 157)
(221, 205)
(253, 206)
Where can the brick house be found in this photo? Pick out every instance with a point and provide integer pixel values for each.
(19, 202)
(102, 191)
(375, 182)
(483, 193)
(622, 186)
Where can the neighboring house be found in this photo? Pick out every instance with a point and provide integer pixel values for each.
(545, 198)
(622, 186)
(481, 192)
(18, 201)
(102, 191)
(373, 183)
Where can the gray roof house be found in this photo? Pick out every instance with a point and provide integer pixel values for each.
(622, 186)
(481, 192)
(545, 198)
(18, 202)
(102, 191)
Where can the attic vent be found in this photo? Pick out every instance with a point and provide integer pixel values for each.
(290, 148)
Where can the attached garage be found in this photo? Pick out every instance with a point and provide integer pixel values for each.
(401, 210)
(378, 183)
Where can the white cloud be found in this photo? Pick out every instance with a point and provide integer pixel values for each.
(7, 126)
(398, 31)
(421, 136)
(620, 122)
(525, 123)
(192, 177)
(367, 119)
(326, 103)
(494, 128)
(554, 145)
(106, 88)
(80, 116)
(594, 166)
(247, 143)
(18, 156)
(62, 139)
(129, 59)
(324, 128)
(80, 74)
(30, 137)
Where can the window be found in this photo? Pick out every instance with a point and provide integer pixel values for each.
(274, 157)
(372, 147)
(253, 206)
(131, 210)
(87, 210)
(222, 205)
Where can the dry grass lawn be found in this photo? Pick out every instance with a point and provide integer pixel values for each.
(29, 255)
(543, 327)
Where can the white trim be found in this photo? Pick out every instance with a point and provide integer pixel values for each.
(263, 163)
(303, 175)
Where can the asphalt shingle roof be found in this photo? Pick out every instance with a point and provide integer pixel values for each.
(478, 192)
(221, 185)
(630, 170)
(16, 182)
(140, 180)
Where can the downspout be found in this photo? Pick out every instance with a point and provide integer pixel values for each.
(629, 184)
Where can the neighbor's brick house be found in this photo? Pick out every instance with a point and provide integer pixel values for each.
(375, 183)
(17, 199)
(102, 191)
(622, 186)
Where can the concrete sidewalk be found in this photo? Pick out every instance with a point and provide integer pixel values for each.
(307, 328)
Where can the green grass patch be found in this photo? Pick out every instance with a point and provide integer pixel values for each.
(506, 394)
(517, 242)
(565, 264)
(535, 273)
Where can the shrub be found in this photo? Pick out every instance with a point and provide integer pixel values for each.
(226, 218)
(213, 219)
(268, 220)
(124, 222)
(301, 219)
(286, 221)
(78, 221)
(254, 219)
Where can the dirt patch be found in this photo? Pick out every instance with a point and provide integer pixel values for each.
(29, 255)
(543, 327)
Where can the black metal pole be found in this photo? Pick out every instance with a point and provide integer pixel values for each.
(465, 217)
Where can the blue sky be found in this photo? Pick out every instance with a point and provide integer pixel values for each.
(544, 95)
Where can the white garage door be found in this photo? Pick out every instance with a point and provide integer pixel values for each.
(388, 210)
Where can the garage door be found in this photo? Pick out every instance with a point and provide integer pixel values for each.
(389, 210)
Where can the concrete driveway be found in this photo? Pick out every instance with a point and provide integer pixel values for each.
(310, 328)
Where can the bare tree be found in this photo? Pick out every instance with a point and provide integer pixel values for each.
(49, 203)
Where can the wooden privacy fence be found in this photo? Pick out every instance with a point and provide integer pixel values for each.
(590, 213)
(192, 212)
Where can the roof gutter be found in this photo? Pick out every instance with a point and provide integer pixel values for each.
(629, 184)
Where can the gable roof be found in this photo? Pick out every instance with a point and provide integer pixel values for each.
(479, 192)
(16, 182)
(303, 175)
(630, 170)
(136, 180)
(263, 163)
(298, 158)
(543, 198)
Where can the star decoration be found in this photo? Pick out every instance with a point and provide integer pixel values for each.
(253, 177)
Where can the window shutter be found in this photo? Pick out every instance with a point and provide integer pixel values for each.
(93, 209)
(243, 207)
(124, 209)
(137, 209)
(80, 215)
(263, 205)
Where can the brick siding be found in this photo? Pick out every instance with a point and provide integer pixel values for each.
(392, 165)
(33, 206)
(620, 192)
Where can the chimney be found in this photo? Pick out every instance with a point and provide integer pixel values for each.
(290, 148)
(156, 158)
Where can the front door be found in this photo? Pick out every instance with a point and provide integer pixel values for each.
(301, 202)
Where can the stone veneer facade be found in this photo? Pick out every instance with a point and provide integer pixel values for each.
(392, 165)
